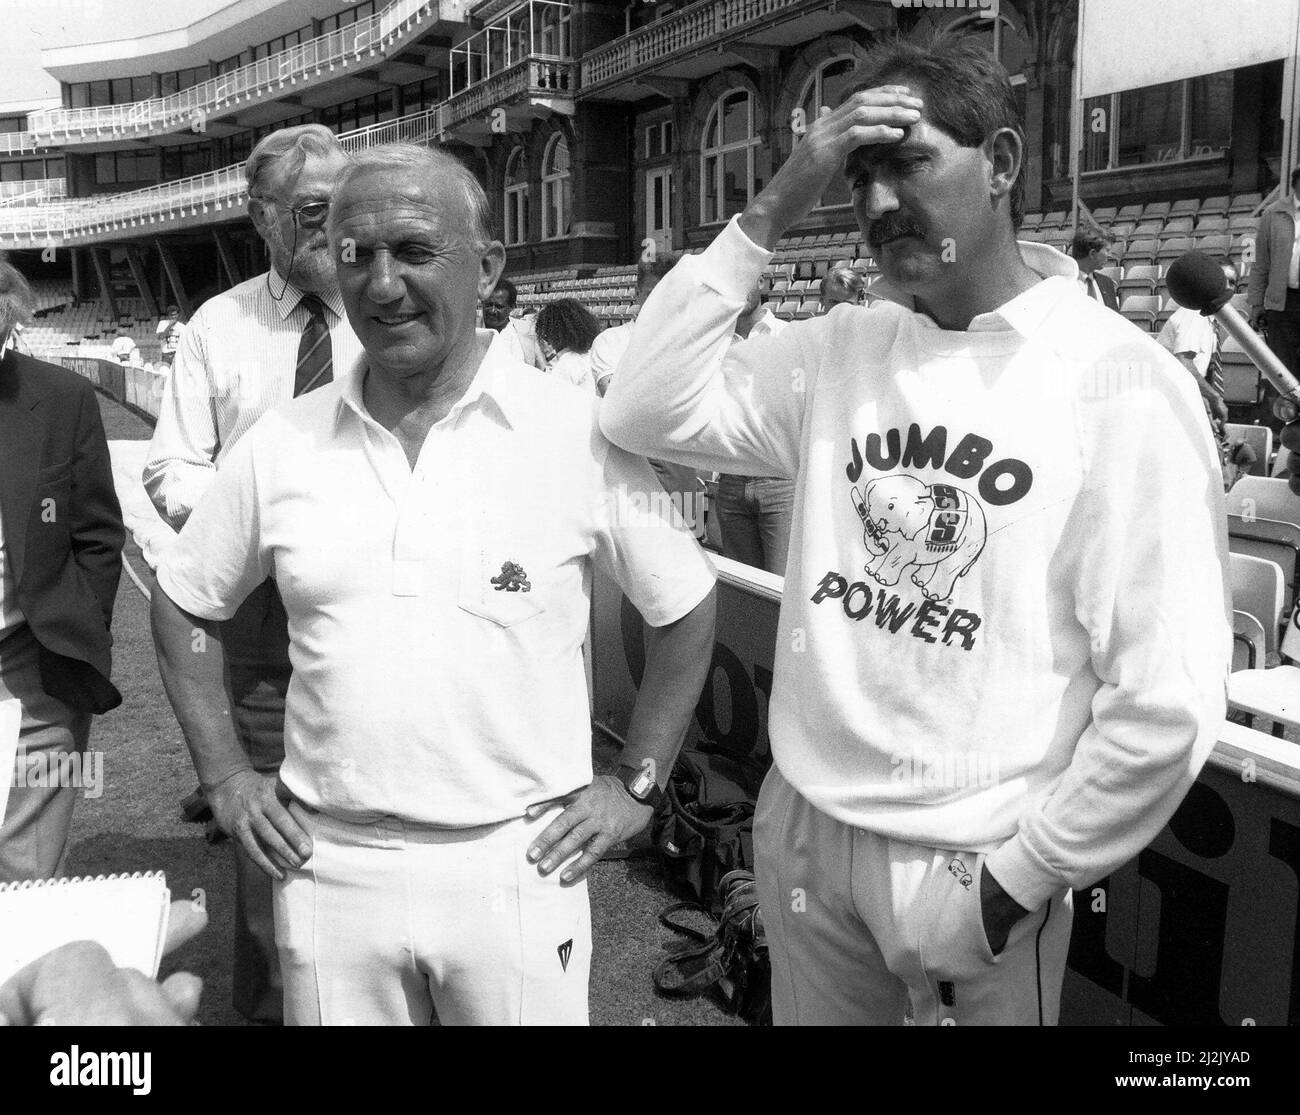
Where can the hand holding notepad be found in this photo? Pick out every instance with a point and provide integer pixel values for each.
(65, 983)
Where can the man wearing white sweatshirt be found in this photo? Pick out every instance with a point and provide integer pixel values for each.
(1004, 638)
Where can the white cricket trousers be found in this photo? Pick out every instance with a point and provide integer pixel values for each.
(858, 924)
(395, 924)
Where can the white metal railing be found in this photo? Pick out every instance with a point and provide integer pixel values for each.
(17, 143)
(687, 29)
(533, 28)
(216, 189)
(374, 35)
(33, 192)
(534, 77)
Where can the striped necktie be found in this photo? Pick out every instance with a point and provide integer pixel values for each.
(315, 353)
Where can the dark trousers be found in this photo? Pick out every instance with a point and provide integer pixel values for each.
(755, 512)
(256, 644)
(1283, 331)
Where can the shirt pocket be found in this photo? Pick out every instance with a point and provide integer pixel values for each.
(496, 585)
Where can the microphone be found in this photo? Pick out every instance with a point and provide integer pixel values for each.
(1197, 282)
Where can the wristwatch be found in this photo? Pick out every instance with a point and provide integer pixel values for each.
(640, 785)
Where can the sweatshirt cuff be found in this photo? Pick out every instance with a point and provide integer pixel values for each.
(1024, 876)
(733, 261)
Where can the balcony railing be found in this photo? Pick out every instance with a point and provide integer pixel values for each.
(531, 78)
(375, 35)
(696, 26)
(17, 143)
(214, 191)
(35, 192)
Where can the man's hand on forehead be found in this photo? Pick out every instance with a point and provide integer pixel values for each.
(881, 115)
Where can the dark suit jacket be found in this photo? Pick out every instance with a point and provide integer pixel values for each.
(1109, 291)
(63, 528)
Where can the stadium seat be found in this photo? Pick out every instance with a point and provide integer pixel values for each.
(1148, 229)
(1245, 203)
(1031, 220)
(1182, 224)
(1130, 213)
(1260, 439)
(1258, 589)
(1140, 251)
(1215, 245)
(1122, 229)
(1241, 380)
(1104, 213)
(1185, 206)
(1217, 206)
(1055, 219)
(1264, 521)
(1141, 278)
(1141, 309)
(786, 310)
(1114, 273)
(1173, 247)
(1215, 223)
(1155, 209)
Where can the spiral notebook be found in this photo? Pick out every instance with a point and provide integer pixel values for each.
(127, 914)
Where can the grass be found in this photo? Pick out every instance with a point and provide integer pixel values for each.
(135, 826)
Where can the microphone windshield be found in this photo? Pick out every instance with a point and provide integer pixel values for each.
(1197, 281)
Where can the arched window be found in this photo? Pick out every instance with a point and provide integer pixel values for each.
(516, 190)
(727, 181)
(827, 87)
(557, 192)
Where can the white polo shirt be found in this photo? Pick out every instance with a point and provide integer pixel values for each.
(424, 685)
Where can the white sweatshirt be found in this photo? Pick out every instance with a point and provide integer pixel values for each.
(1005, 622)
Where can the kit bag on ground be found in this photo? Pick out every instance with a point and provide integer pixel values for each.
(704, 827)
(730, 963)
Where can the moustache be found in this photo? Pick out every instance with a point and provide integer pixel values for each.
(892, 225)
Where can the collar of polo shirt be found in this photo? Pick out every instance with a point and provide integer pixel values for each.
(492, 383)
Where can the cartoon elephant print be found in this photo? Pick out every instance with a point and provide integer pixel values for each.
(936, 530)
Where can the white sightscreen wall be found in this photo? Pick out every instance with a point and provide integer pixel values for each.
(1129, 44)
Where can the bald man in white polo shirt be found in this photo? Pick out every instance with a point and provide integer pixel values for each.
(432, 520)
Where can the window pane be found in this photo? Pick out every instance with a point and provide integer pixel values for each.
(1210, 109)
(559, 157)
(120, 90)
(11, 172)
(735, 182)
(668, 136)
(141, 88)
(81, 95)
(1150, 124)
(735, 118)
(652, 148)
(99, 93)
(711, 132)
(709, 188)
(105, 170)
(146, 166)
(836, 77)
(33, 169)
(1096, 144)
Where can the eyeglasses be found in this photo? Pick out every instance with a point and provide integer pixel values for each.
(310, 214)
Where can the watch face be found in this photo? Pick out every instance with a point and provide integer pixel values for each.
(642, 785)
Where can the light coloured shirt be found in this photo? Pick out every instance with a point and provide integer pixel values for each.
(1005, 626)
(607, 350)
(236, 360)
(436, 614)
(124, 349)
(573, 367)
(767, 325)
(1187, 331)
(518, 339)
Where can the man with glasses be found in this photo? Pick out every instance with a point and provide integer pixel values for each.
(259, 344)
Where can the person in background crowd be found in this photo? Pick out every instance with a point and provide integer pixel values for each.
(841, 284)
(170, 328)
(608, 349)
(1274, 283)
(61, 538)
(1091, 252)
(566, 329)
(755, 511)
(124, 349)
(257, 345)
(517, 334)
(1194, 339)
(1039, 605)
(439, 708)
